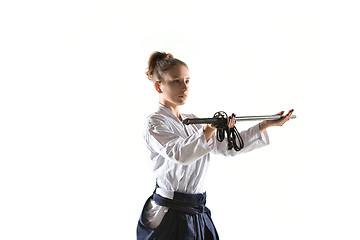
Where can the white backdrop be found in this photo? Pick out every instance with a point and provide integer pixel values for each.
(74, 97)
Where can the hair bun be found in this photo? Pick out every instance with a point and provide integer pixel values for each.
(158, 63)
(153, 61)
(169, 55)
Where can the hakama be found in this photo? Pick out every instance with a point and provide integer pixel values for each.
(186, 218)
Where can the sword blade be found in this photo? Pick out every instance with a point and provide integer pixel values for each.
(264, 117)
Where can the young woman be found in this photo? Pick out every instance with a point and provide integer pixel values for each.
(180, 155)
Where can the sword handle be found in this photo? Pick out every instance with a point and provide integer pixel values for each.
(214, 121)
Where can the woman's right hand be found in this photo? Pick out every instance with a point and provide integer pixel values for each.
(232, 122)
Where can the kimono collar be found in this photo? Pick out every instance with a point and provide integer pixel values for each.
(170, 113)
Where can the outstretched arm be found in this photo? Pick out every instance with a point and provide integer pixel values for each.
(279, 122)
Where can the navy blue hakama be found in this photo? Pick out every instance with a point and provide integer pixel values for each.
(187, 218)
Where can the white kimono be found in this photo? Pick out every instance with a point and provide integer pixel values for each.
(181, 155)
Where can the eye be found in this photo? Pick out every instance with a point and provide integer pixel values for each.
(187, 81)
(176, 81)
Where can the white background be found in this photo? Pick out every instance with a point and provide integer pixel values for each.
(74, 97)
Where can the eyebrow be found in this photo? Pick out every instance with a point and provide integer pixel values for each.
(179, 77)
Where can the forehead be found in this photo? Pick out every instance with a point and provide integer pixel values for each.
(179, 71)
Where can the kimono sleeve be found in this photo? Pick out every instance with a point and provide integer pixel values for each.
(253, 139)
(161, 139)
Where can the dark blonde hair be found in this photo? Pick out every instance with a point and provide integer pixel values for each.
(159, 63)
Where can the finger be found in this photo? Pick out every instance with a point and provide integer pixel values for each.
(289, 113)
(280, 113)
(287, 117)
(231, 121)
(233, 118)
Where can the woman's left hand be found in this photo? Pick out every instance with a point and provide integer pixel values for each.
(278, 122)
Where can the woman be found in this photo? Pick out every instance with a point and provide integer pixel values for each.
(181, 154)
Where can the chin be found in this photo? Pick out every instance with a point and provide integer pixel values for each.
(182, 102)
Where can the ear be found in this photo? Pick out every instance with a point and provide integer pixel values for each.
(157, 87)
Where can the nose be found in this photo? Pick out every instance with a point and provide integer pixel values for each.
(185, 86)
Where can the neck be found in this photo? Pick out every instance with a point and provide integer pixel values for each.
(173, 108)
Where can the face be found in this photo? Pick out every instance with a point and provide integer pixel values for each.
(175, 86)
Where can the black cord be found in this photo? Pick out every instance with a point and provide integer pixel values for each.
(232, 133)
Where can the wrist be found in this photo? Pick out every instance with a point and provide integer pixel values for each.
(208, 131)
(209, 128)
(263, 126)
